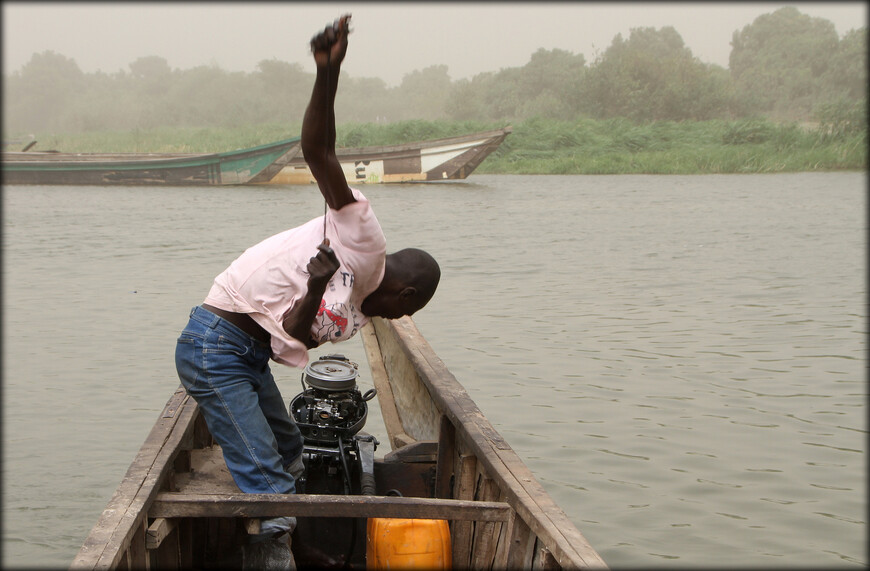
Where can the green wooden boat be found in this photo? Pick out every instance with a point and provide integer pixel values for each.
(244, 166)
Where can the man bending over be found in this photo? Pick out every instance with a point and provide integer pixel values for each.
(318, 282)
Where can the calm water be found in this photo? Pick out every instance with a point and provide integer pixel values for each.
(680, 360)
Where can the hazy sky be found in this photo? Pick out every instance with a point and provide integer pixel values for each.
(388, 41)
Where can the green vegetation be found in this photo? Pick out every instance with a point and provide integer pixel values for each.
(547, 146)
(645, 104)
(618, 146)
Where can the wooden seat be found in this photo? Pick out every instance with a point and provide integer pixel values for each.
(174, 504)
(208, 490)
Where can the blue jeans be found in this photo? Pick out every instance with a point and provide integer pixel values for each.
(227, 372)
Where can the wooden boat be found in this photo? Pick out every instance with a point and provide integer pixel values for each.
(177, 506)
(436, 159)
(245, 166)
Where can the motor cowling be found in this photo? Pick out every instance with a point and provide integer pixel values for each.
(330, 405)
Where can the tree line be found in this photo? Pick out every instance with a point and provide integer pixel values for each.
(784, 66)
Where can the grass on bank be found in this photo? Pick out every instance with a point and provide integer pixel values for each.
(617, 146)
(538, 146)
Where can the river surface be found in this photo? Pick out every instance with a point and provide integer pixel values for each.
(681, 360)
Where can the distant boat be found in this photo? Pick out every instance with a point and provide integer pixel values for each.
(244, 166)
(282, 162)
(437, 159)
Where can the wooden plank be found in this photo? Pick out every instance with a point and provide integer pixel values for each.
(417, 411)
(174, 504)
(389, 412)
(543, 516)
(543, 558)
(208, 474)
(110, 538)
(187, 543)
(522, 548)
(155, 473)
(485, 533)
(504, 544)
(466, 479)
(159, 529)
(137, 555)
(222, 541)
(446, 452)
(168, 554)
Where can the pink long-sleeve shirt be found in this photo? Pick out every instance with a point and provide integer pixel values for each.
(270, 277)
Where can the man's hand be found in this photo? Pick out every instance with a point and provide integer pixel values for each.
(298, 321)
(322, 266)
(330, 45)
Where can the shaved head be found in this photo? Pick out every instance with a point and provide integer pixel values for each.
(411, 277)
(417, 269)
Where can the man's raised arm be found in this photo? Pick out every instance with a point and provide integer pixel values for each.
(318, 126)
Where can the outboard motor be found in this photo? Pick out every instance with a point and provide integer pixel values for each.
(330, 412)
(339, 459)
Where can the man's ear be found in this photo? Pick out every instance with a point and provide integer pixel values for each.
(407, 293)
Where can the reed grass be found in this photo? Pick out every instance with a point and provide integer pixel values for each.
(540, 146)
(617, 146)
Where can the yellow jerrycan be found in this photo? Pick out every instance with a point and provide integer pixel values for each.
(408, 544)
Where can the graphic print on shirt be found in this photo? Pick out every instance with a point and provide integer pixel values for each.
(331, 322)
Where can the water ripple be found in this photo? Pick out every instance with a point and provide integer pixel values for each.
(688, 352)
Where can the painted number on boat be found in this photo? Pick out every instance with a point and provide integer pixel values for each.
(360, 169)
(369, 171)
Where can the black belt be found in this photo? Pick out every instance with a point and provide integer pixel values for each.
(243, 321)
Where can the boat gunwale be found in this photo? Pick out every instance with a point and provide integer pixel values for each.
(127, 511)
(483, 136)
(47, 160)
(523, 491)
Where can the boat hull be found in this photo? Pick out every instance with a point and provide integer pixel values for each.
(246, 166)
(177, 506)
(440, 159)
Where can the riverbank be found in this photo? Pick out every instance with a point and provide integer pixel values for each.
(536, 146)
